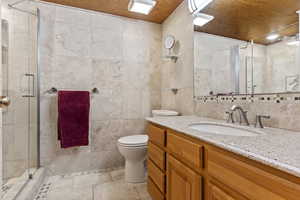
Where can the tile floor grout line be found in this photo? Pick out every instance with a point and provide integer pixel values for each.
(109, 178)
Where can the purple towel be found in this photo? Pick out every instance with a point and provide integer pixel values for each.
(73, 118)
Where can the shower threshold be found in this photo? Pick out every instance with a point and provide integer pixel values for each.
(22, 187)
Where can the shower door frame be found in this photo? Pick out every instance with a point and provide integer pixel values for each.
(37, 88)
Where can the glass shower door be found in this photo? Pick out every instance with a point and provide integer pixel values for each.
(19, 118)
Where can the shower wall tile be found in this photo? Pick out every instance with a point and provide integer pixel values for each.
(49, 12)
(72, 72)
(106, 44)
(72, 16)
(13, 168)
(133, 104)
(106, 134)
(46, 42)
(107, 21)
(72, 40)
(20, 21)
(108, 104)
(121, 57)
(108, 73)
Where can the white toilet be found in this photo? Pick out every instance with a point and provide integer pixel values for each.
(164, 113)
(134, 150)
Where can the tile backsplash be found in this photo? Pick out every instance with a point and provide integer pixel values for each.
(284, 109)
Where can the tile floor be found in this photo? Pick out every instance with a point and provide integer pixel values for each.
(92, 186)
(12, 187)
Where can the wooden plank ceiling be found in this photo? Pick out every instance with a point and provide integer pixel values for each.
(161, 11)
(252, 19)
(239, 19)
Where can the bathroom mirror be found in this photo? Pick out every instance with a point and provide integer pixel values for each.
(228, 66)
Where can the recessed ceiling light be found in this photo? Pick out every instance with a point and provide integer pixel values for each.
(273, 36)
(141, 6)
(196, 6)
(201, 19)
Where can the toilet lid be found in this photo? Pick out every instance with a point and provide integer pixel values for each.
(134, 140)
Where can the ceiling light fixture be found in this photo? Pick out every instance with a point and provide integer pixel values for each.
(141, 6)
(196, 6)
(273, 36)
(201, 19)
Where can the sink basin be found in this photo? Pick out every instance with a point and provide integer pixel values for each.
(224, 129)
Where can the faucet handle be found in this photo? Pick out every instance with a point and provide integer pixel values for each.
(258, 121)
(264, 116)
(230, 117)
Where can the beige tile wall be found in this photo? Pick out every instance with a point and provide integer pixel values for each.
(284, 115)
(180, 74)
(121, 57)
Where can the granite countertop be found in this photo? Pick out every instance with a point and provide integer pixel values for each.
(277, 148)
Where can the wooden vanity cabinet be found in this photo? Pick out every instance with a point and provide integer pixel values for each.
(218, 193)
(156, 162)
(186, 150)
(182, 182)
(184, 168)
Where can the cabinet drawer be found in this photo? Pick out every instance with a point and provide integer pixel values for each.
(157, 176)
(154, 191)
(157, 155)
(185, 149)
(251, 181)
(157, 135)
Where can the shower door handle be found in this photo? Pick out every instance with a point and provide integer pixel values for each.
(4, 101)
(31, 91)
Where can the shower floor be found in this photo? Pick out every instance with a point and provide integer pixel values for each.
(93, 185)
(14, 185)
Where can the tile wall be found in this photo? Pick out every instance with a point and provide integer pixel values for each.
(81, 50)
(179, 75)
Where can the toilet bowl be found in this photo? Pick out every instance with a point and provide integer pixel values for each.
(134, 150)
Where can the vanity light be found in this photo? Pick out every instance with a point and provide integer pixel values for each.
(141, 6)
(196, 6)
(201, 19)
(273, 36)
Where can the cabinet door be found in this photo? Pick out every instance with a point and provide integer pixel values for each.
(216, 193)
(182, 182)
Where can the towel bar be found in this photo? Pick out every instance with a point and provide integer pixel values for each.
(54, 90)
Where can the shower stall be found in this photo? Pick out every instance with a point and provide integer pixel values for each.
(19, 94)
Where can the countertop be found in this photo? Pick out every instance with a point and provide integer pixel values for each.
(277, 148)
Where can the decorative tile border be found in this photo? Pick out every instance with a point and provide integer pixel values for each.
(45, 188)
(5, 188)
(272, 98)
(43, 191)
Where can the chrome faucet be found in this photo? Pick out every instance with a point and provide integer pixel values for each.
(258, 121)
(242, 113)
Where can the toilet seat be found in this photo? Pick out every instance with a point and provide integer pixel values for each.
(134, 141)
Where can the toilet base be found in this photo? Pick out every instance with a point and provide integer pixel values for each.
(135, 172)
